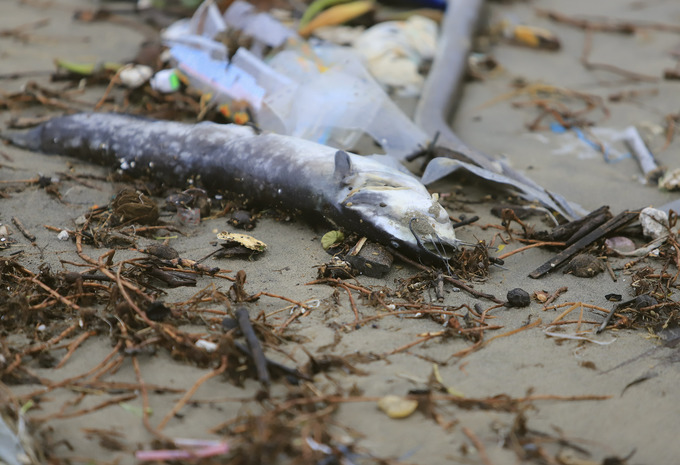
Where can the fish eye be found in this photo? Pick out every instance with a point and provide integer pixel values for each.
(394, 244)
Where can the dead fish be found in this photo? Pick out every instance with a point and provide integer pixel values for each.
(353, 192)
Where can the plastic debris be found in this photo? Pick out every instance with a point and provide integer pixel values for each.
(606, 141)
(441, 167)
(650, 169)
(63, 235)
(187, 449)
(208, 346)
(262, 27)
(395, 50)
(285, 92)
(336, 106)
(208, 75)
(165, 81)
(438, 100)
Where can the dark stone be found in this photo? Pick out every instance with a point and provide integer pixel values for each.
(518, 298)
(372, 260)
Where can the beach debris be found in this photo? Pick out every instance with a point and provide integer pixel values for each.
(243, 318)
(337, 268)
(394, 52)
(134, 76)
(130, 205)
(22, 229)
(482, 65)
(650, 169)
(370, 259)
(670, 180)
(530, 36)
(638, 303)
(584, 266)
(332, 239)
(18, 445)
(606, 228)
(186, 449)
(335, 15)
(101, 70)
(157, 311)
(284, 92)
(165, 81)
(237, 244)
(242, 219)
(574, 230)
(619, 245)
(438, 100)
(441, 167)
(397, 406)
(518, 298)
(161, 251)
(654, 222)
(191, 205)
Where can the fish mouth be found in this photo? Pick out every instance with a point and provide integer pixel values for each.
(433, 246)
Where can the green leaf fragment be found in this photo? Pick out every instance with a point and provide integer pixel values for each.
(332, 238)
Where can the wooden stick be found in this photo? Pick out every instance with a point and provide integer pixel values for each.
(256, 352)
(615, 223)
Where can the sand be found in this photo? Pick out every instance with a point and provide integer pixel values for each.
(641, 418)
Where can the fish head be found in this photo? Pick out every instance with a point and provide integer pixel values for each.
(394, 208)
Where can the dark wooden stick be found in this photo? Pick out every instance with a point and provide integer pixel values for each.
(243, 318)
(615, 223)
(566, 231)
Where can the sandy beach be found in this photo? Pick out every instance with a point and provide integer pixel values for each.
(584, 402)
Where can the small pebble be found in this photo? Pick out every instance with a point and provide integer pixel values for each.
(397, 406)
(518, 298)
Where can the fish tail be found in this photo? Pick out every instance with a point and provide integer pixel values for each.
(30, 140)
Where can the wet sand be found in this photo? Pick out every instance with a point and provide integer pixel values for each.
(642, 418)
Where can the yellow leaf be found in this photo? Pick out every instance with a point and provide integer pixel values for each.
(338, 14)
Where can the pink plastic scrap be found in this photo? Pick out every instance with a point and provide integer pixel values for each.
(188, 449)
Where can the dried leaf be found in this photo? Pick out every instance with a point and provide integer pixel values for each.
(335, 15)
(244, 240)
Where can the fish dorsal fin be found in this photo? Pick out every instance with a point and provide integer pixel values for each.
(343, 165)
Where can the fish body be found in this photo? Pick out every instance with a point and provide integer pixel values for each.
(353, 192)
